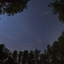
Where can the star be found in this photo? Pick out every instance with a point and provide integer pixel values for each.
(58, 27)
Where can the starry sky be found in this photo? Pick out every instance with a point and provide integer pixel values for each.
(32, 29)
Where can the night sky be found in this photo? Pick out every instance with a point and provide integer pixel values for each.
(32, 29)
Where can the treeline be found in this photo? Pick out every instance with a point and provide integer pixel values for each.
(52, 55)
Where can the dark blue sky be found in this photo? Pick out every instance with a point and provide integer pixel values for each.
(32, 29)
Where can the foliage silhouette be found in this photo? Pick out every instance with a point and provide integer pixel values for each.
(10, 60)
(61, 43)
(36, 55)
(20, 55)
(25, 57)
(31, 58)
(44, 59)
(11, 7)
(4, 52)
(14, 56)
(58, 8)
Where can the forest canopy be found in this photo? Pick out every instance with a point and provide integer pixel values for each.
(58, 8)
(11, 7)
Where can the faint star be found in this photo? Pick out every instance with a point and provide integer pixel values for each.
(26, 44)
(26, 31)
(58, 27)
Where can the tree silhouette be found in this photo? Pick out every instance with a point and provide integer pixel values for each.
(14, 56)
(25, 57)
(58, 8)
(55, 52)
(11, 7)
(48, 53)
(31, 58)
(44, 59)
(61, 43)
(10, 60)
(20, 55)
(3, 53)
(36, 54)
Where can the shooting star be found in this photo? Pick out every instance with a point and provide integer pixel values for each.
(44, 13)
